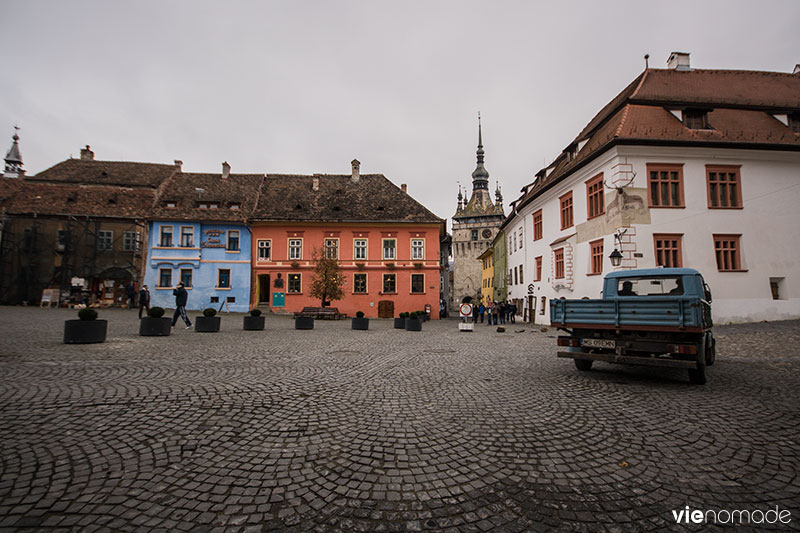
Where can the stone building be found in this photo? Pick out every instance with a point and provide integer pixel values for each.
(475, 226)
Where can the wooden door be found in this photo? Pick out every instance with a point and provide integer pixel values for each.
(386, 309)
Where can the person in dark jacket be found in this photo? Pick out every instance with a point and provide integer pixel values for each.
(482, 311)
(181, 297)
(144, 300)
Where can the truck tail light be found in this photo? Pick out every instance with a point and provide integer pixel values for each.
(685, 349)
(569, 341)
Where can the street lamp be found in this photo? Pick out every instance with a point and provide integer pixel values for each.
(616, 256)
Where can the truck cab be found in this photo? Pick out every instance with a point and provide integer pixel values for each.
(654, 317)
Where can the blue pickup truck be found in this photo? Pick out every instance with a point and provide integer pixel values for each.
(654, 317)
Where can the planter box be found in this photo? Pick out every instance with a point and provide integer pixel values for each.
(85, 331)
(361, 323)
(413, 324)
(253, 323)
(304, 322)
(399, 323)
(207, 324)
(155, 327)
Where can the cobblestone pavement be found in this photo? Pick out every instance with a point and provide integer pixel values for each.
(383, 430)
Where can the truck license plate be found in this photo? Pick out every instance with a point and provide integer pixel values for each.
(599, 343)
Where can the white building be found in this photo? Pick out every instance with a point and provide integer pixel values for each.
(685, 167)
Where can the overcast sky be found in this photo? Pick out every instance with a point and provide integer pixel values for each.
(305, 87)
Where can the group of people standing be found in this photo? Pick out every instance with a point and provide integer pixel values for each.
(496, 313)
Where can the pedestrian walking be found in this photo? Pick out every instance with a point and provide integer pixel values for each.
(513, 313)
(474, 313)
(495, 312)
(481, 311)
(181, 297)
(503, 311)
(144, 300)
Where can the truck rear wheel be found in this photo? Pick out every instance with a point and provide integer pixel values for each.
(697, 376)
(583, 365)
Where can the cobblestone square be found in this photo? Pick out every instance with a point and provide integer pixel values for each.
(383, 430)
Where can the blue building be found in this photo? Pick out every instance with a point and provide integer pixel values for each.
(199, 235)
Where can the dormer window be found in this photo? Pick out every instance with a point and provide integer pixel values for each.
(170, 205)
(213, 205)
(236, 205)
(696, 119)
(794, 122)
(202, 205)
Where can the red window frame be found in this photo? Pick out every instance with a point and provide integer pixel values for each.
(724, 186)
(558, 261)
(596, 257)
(538, 268)
(727, 250)
(668, 249)
(567, 218)
(595, 198)
(664, 183)
(537, 225)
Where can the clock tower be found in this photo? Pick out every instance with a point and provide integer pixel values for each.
(475, 225)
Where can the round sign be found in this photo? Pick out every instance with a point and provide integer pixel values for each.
(466, 309)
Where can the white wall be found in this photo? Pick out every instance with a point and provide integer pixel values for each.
(769, 225)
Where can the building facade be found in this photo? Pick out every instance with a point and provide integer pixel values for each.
(386, 244)
(475, 226)
(692, 168)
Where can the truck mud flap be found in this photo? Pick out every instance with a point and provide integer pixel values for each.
(630, 360)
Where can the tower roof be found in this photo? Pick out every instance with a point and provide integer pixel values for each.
(13, 155)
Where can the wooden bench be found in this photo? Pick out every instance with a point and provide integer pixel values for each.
(322, 313)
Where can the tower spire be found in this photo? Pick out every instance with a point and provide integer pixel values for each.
(480, 177)
(14, 158)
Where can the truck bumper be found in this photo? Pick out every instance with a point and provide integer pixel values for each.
(630, 359)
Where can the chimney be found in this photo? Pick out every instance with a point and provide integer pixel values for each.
(226, 170)
(315, 184)
(678, 61)
(404, 188)
(178, 164)
(356, 174)
(87, 154)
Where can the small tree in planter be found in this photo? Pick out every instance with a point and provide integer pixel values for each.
(255, 321)
(400, 322)
(155, 324)
(209, 322)
(86, 330)
(413, 322)
(359, 322)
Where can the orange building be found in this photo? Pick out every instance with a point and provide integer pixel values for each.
(387, 244)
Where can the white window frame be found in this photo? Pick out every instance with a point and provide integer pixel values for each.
(418, 250)
(295, 248)
(393, 249)
(238, 240)
(357, 248)
(268, 247)
(130, 241)
(326, 247)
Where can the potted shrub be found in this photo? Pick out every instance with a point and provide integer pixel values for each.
(423, 316)
(255, 321)
(86, 330)
(208, 323)
(360, 322)
(304, 322)
(413, 322)
(400, 322)
(155, 324)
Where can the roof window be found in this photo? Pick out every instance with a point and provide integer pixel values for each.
(235, 205)
(696, 119)
(170, 204)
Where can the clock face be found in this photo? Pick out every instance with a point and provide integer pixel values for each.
(487, 233)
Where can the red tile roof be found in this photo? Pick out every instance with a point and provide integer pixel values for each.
(741, 105)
